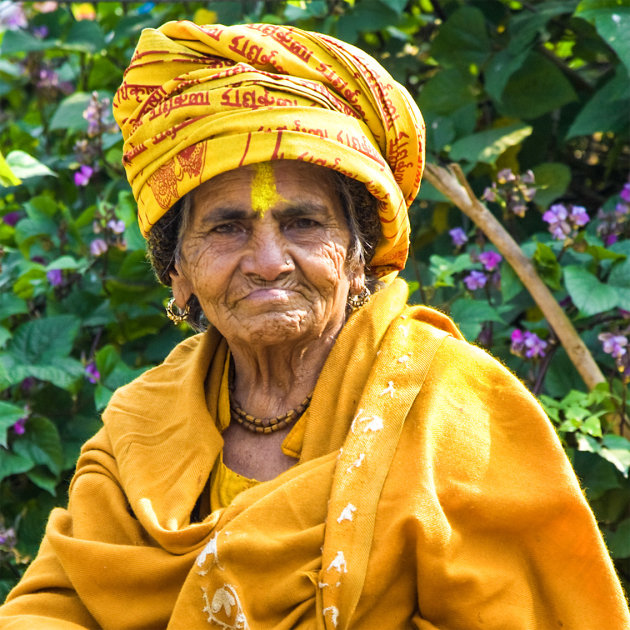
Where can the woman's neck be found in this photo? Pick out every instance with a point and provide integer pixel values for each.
(270, 380)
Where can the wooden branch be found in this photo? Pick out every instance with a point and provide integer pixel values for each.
(453, 184)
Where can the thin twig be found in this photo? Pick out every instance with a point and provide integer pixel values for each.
(453, 184)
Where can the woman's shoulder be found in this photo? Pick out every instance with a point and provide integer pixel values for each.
(464, 364)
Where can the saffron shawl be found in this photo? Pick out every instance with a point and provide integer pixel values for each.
(478, 520)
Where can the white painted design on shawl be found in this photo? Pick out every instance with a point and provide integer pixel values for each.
(374, 423)
(224, 599)
(338, 563)
(404, 329)
(404, 359)
(390, 389)
(334, 614)
(209, 550)
(322, 584)
(347, 513)
(356, 463)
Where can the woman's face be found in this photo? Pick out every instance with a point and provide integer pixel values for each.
(265, 252)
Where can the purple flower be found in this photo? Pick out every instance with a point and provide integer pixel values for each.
(459, 236)
(527, 344)
(83, 175)
(610, 239)
(505, 175)
(621, 209)
(55, 277)
(19, 427)
(528, 177)
(579, 216)
(490, 194)
(475, 280)
(91, 373)
(565, 221)
(556, 213)
(614, 345)
(7, 538)
(48, 79)
(12, 16)
(98, 246)
(116, 226)
(97, 114)
(40, 32)
(535, 346)
(11, 218)
(490, 260)
(625, 192)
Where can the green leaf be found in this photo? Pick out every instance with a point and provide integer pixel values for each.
(552, 181)
(44, 479)
(511, 284)
(469, 315)
(102, 396)
(612, 21)
(619, 280)
(9, 415)
(607, 110)
(11, 305)
(443, 269)
(619, 541)
(548, 266)
(462, 41)
(589, 294)
(537, 88)
(63, 262)
(85, 36)
(24, 165)
(597, 474)
(13, 464)
(7, 176)
(69, 114)
(44, 341)
(446, 92)
(41, 444)
(500, 68)
(488, 146)
(22, 41)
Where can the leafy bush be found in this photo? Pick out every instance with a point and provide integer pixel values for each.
(530, 99)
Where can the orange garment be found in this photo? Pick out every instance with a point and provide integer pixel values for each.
(479, 523)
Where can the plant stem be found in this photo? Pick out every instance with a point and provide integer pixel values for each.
(452, 183)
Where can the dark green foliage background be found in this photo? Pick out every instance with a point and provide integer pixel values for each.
(520, 85)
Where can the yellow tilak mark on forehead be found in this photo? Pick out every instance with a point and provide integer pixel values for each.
(264, 192)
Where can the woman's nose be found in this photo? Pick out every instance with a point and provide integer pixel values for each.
(268, 257)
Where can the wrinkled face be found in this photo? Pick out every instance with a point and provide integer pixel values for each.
(265, 252)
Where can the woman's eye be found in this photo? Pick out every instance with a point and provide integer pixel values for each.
(226, 228)
(302, 223)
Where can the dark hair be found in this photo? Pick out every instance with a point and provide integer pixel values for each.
(360, 211)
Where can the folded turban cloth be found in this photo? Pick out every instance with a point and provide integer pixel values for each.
(197, 101)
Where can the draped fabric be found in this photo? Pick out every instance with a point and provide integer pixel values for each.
(197, 101)
(478, 522)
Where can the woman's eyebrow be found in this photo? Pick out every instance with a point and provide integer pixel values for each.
(225, 213)
(300, 208)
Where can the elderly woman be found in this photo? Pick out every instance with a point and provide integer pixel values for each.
(323, 455)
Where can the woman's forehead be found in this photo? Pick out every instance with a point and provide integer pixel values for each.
(267, 184)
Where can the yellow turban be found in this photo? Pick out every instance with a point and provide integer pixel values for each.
(197, 101)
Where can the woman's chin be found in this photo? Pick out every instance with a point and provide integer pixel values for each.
(277, 327)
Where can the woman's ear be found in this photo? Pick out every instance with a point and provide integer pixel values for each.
(182, 289)
(357, 282)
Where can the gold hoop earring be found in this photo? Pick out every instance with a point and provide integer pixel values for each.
(175, 314)
(355, 302)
